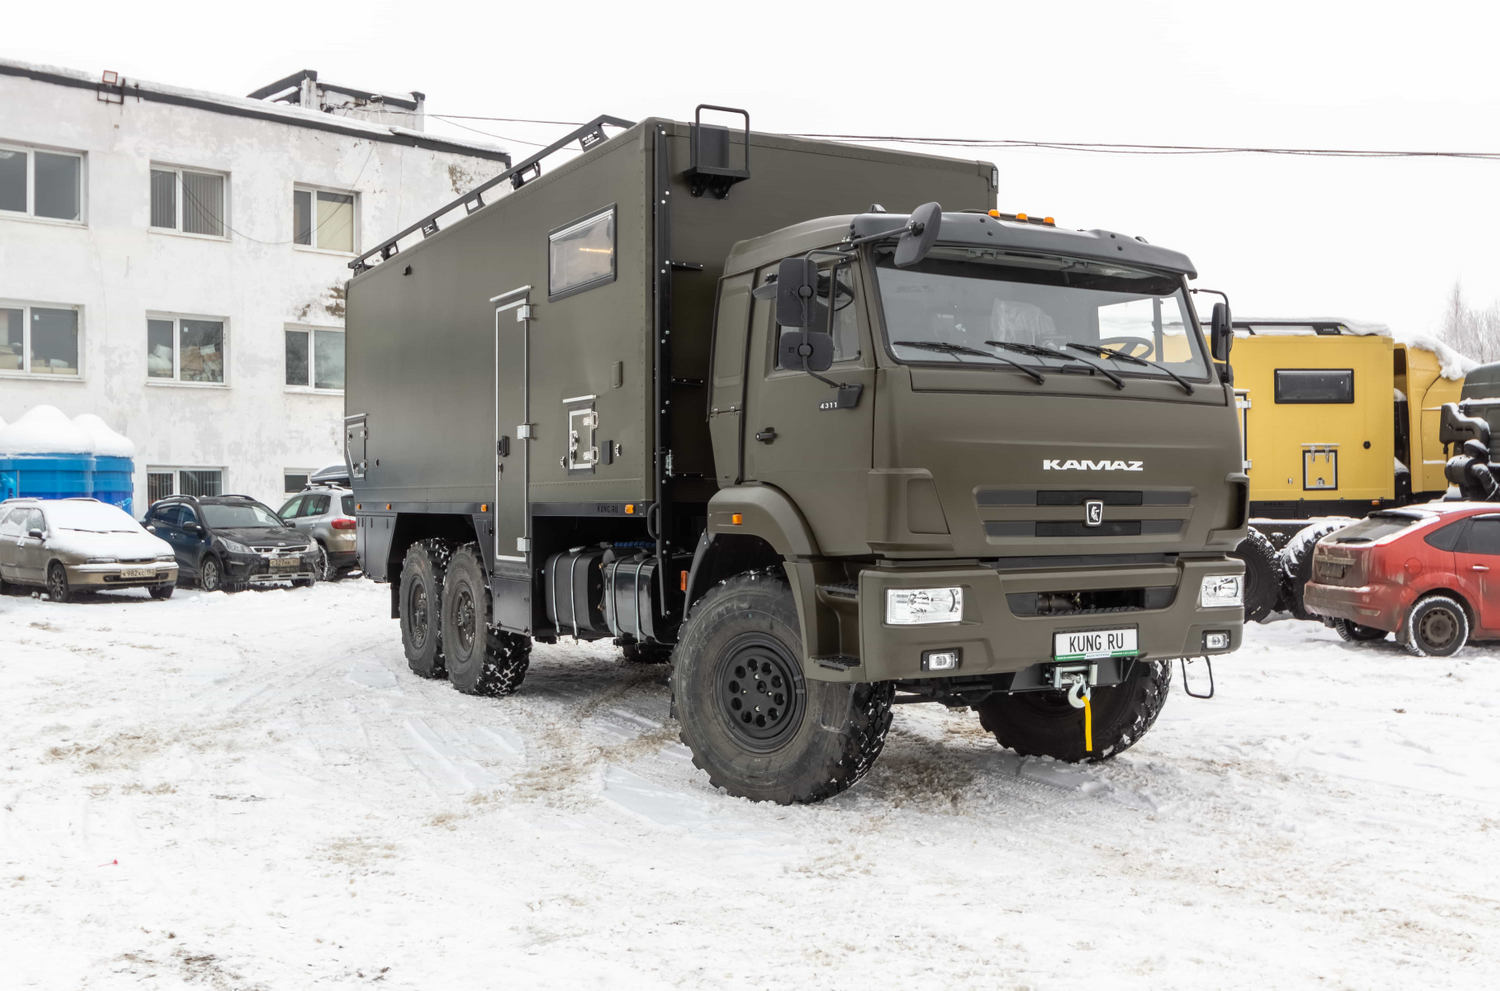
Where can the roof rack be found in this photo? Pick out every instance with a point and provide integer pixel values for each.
(587, 136)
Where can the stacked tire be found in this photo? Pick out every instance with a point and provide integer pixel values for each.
(1295, 561)
(1265, 585)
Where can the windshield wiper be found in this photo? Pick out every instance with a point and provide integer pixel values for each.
(1104, 352)
(956, 349)
(1041, 352)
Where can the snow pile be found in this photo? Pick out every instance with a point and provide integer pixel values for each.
(1454, 366)
(45, 430)
(107, 443)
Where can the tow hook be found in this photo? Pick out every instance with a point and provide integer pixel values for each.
(1078, 697)
(1188, 688)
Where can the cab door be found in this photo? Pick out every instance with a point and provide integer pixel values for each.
(10, 543)
(1477, 562)
(795, 437)
(31, 551)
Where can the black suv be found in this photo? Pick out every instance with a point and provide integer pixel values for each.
(231, 542)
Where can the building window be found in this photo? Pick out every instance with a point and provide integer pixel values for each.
(36, 183)
(324, 219)
(39, 340)
(315, 358)
(187, 201)
(581, 255)
(162, 482)
(185, 349)
(296, 479)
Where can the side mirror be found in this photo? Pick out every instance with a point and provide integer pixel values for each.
(810, 351)
(35, 534)
(921, 234)
(192, 528)
(1221, 332)
(796, 292)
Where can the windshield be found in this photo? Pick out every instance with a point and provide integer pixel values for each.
(92, 517)
(240, 514)
(975, 305)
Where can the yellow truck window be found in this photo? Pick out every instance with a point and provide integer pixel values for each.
(1314, 385)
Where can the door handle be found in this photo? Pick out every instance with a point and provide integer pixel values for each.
(1478, 567)
(767, 435)
(502, 447)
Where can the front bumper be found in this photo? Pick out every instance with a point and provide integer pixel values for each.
(995, 640)
(260, 569)
(98, 576)
(1380, 606)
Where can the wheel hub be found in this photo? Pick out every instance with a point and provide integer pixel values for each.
(758, 693)
(464, 614)
(417, 602)
(1438, 627)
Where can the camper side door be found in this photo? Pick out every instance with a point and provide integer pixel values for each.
(726, 396)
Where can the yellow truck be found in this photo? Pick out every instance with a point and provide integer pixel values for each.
(1338, 420)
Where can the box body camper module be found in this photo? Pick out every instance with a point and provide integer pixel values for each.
(697, 391)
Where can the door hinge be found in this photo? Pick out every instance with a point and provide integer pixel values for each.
(524, 431)
(523, 544)
(523, 313)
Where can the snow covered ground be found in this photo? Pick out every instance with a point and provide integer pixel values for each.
(252, 791)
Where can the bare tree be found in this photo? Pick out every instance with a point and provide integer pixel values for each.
(1471, 331)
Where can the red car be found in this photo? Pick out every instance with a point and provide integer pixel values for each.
(1430, 574)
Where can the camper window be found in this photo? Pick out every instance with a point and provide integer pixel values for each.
(581, 255)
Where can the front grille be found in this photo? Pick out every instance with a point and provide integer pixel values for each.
(1091, 601)
(1058, 528)
(1077, 497)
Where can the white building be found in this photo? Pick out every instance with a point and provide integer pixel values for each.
(174, 261)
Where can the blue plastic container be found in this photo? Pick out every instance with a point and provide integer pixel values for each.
(112, 481)
(47, 476)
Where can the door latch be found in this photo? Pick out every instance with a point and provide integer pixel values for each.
(767, 435)
(502, 447)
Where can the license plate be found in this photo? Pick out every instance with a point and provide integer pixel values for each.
(285, 564)
(1094, 643)
(137, 572)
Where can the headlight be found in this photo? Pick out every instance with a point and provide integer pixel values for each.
(1221, 590)
(102, 560)
(915, 606)
(167, 557)
(234, 547)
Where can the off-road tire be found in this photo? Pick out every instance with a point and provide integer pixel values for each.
(1296, 564)
(421, 598)
(480, 660)
(162, 591)
(1043, 724)
(827, 736)
(1352, 632)
(1265, 586)
(57, 583)
(1437, 626)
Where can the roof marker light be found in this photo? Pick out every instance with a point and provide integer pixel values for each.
(1049, 221)
(995, 214)
(1021, 217)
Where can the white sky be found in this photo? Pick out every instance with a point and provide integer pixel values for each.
(1378, 240)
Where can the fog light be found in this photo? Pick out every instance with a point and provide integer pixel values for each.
(940, 660)
(1219, 591)
(1216, 641)
(916, 606)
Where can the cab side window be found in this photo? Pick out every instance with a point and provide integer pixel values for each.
(315, 505)
(36, 521)
(1483, 537)
(293, 508)
(186, 515)
(836, 289)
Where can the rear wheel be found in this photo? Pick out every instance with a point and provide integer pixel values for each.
(480, 660)
(1263, 581)
(1436, 627)
(753, 722)
(421, 605)
(1352, 632)
(57, 583)
(1044, 724)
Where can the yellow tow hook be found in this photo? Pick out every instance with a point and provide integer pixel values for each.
(1078, 698)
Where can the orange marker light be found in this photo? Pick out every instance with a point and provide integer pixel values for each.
(629, 508)
(736, 519)
(684, 581)
(484, 507)
(995, 214)
(359, 505)
(1048, 220)
(387, 505)
(1020, 216)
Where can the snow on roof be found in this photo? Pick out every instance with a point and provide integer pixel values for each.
(1453, 366)
(293, 115)
(106, 441)
(45, 430)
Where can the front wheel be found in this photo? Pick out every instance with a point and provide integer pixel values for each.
(757, 727)
(1044, 724)
(162, 591)
(480, 660)
(57, 583)
(211, 575)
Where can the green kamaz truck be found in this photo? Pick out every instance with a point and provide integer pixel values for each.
(698, 391)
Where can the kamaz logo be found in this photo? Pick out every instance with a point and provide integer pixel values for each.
(1060, 465)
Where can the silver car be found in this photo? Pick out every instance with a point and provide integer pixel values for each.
(325, 512)
(72, 545)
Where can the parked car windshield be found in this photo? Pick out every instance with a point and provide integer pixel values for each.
(240, 514)
(89, 517)
(1039, 310)
(1376, 526)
